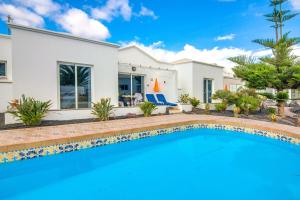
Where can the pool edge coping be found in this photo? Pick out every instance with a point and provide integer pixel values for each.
(18, 147)
(11, 153)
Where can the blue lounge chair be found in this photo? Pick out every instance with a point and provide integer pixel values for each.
(151, 98)
(162, 98)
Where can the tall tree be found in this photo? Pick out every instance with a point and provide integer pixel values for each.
(281, 70)
(274, 17)
(279, 16)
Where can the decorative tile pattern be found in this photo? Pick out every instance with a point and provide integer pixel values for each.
(75, 146)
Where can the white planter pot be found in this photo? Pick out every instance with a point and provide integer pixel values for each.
(185, 107)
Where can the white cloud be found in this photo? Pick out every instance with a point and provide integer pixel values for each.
(42, 7)
(21, 15)
(112, 9)
(215, 55)
(296, 4)
(147, 12)
(158, 44)
(225, 37)
(79, 23)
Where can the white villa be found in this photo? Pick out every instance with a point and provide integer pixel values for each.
(73, 72)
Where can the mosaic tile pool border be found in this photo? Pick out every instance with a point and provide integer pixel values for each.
(25, 154)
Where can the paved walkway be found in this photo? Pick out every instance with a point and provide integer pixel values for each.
(43, 136)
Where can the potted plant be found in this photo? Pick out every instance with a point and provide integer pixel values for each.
(207, 108)
(281, 98)
(184, 103)
(236, 111)
(194, 102)
(272, 114)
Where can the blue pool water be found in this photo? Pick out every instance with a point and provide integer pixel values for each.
(194, 164)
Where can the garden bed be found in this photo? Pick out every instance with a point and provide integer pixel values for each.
(261, 116)
(64, 122)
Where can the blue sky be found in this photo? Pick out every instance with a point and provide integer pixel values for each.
(168, 26)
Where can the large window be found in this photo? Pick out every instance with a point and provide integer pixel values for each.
(75, 86)
(131, 89)
(2, 69)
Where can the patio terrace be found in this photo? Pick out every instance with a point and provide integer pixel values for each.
(18, 139)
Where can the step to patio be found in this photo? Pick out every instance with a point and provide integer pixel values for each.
(174, 110)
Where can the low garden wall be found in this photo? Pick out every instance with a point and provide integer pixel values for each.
(64, 115)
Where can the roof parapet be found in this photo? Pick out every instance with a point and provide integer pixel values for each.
(63, 35)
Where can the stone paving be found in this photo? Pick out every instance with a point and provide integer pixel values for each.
(17, 139)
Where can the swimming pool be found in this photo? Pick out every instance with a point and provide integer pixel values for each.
(191, 164)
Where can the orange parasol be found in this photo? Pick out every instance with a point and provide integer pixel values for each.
(156, 86)
(226, 88)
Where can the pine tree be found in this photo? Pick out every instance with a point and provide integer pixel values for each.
(281, 70)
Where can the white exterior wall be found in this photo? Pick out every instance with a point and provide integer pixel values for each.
(6, 83)
(32, 57)
(35, 64)
(185, 78)
(201, 72)
(191, 76)
(136, 56)
(165, 74)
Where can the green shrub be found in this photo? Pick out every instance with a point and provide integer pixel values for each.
(273, 117)
(248, 103)
(207, 108)
(267, 95)
(221, 107)
(195, 102)
(282, 97)
(271, 111)
(102, 109)
(225, 96)
(29, 110)
(184, 98)
(147, 108)
(248, 92)
(236, 111)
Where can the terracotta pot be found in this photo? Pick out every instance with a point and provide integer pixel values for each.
(298, 121)
(281, 109)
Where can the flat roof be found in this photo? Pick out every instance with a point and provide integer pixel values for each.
(182, 61)
(186, 60)
(144, 52)
(59, 34)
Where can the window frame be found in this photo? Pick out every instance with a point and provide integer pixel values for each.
(76, 84)
(131, 83)
(5, 69)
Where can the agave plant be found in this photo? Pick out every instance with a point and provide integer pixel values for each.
(207, 108)
(147, 108)
(195, 102)
(236, 111)
(184, 98)
(29, 110)
(102, 109)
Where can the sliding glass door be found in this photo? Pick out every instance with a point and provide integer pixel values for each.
(131, 89)
(75, 86)
(207, 90)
